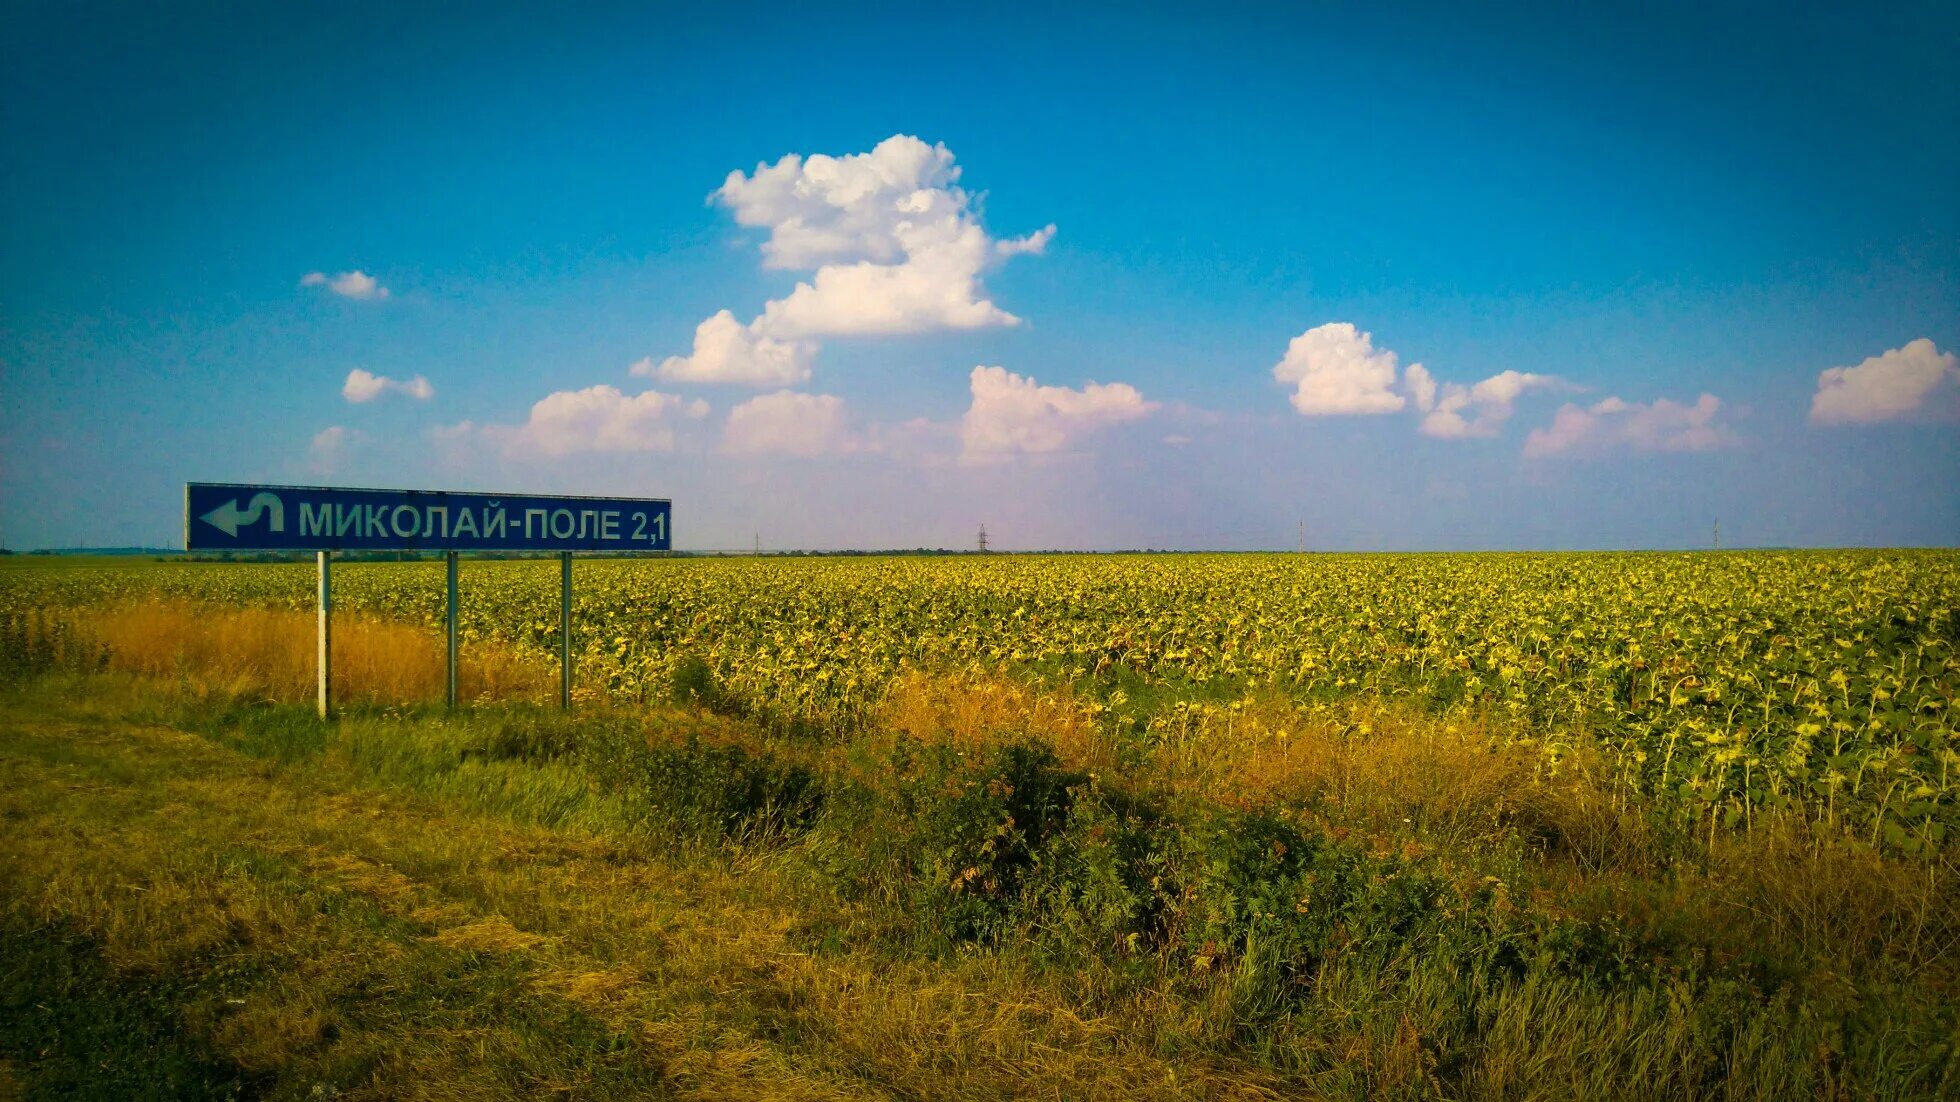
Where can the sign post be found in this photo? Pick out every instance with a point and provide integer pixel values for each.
(321, 519)
(449, 625)
(565, 631)
(325, 662)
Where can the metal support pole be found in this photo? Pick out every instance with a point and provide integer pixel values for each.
(565, 632)
(452, 629)
(326, 634)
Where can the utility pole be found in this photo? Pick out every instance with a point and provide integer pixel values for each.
(1303, 537)
(758, 542)
(1718, 533)
(983, 538)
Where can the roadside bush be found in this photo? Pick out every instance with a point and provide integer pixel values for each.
(704, 788)
(33, 642)
(726, 791)
(693, 682)
(981, 827)
(952, 837)
(1107, 883)
(1276, 905)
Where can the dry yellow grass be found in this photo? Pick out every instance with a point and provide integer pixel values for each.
(974, 712)
(494, 934)
(1459, 781)
(1797, 891)
(272, 652)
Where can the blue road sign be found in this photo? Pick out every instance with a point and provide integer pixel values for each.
(221, 517)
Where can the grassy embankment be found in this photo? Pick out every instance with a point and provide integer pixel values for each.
(208, 892)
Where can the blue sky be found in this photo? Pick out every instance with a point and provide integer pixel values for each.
(1579, 225)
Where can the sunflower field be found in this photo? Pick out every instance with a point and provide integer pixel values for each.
(1726, 685)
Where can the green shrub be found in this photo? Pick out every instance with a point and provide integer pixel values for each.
(1107, 883)
(952, 838)
(725, 791)
(701, 788)
(693, 682)
(35, 641)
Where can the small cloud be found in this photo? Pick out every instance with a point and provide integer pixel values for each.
(1662, 425)
(1488, 404)
(328, 448)
(789, 423)
(1033, 244)
(364, 386)
(1421, 386)
(726, 351)
(355, 284)
(1335, 369)
(1012, 415)
(1888, 387)
(597, 419)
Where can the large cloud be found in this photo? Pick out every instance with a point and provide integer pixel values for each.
(893, 245)
(365, 386)
(1336, 369)
(825, 210)
(937, 287)
(1661, 425)
(1013, 415)
(789, 423)
(1886, 387)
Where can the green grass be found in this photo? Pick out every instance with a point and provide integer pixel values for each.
(75, 1028)
(205, 894)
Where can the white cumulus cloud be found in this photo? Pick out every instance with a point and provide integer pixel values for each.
(1336, 369)
(355, 284)
(825, 210)
(790, 423)
(1477, 410)
(329, 448)
(936, 287)
(365, 386)
(596, 419)
(1421, 386)
(1661, 425)
(1886, 387)
(1012, 415)
(726, 351)
(892, 243)
(1033, 244)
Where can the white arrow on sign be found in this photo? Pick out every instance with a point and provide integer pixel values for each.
(227, 517)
